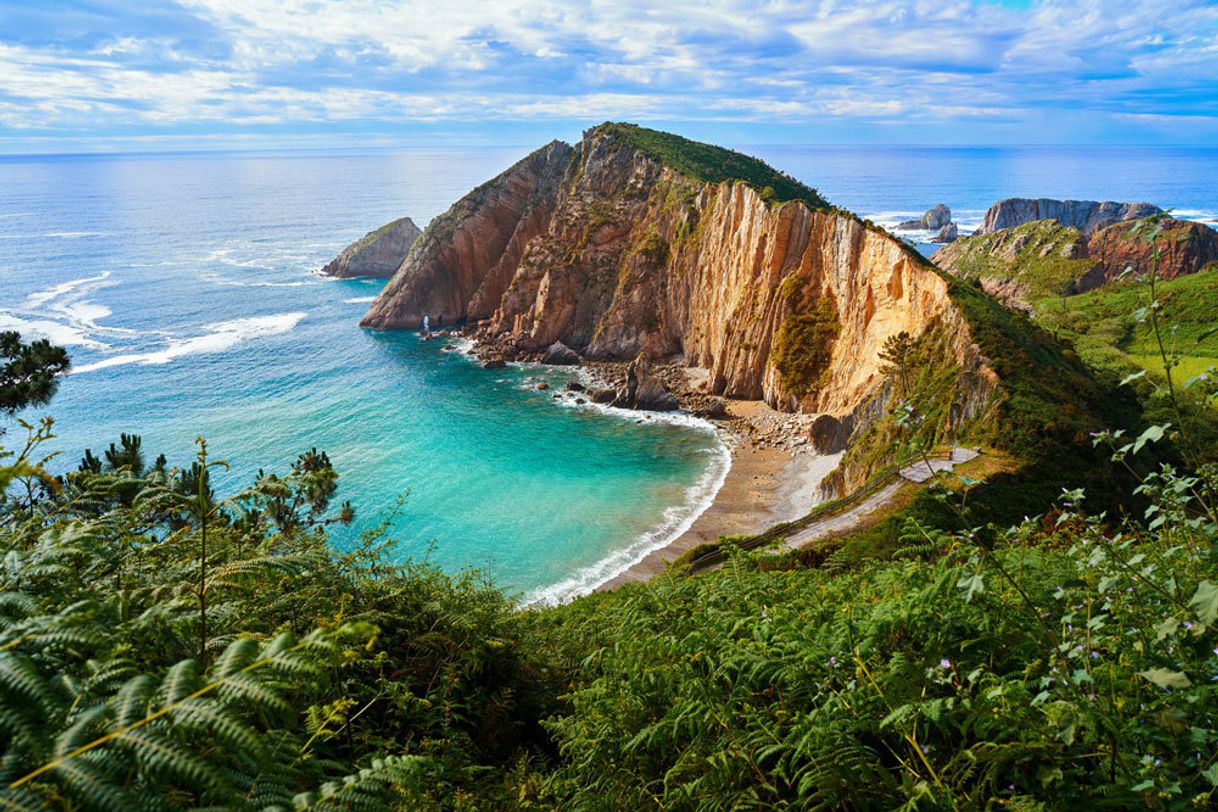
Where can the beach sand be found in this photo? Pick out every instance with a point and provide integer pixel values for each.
(765, 486)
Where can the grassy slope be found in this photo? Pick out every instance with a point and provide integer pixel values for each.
(1104, 330)
(1041, 265)
(711, 164)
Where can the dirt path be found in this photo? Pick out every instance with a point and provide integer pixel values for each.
(850, 518)
(847, 519)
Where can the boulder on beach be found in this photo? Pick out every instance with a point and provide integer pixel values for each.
(494, 363)
(559, 354)
(644, 390)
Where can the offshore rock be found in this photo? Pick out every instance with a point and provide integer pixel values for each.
(377, 253)
(936, 218)
(1085, 215)
(947, 233)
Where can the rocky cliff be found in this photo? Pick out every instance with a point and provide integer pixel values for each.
(1044, 258)
(1085, 215)
(462, 264)
(377, 253)
(628, 244)
(1184, 248)
(639, 244)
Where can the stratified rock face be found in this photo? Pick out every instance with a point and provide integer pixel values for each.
(462, 264)
(626, 256)
(1184, 247)
(1085, 215)
(377, 253)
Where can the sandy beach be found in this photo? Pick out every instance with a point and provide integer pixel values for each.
(766, 485)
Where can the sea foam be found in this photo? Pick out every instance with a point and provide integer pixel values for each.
(219, 337)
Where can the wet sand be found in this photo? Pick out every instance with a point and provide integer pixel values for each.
(764, 486)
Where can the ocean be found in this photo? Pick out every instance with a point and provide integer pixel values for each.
(184, 287)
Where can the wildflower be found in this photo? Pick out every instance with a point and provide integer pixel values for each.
(945, 664)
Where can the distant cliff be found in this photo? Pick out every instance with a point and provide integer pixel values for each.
(377, 253)
(1085, 215)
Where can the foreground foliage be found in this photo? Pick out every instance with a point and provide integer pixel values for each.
(163, 646)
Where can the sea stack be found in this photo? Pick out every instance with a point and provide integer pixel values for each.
(376, 254)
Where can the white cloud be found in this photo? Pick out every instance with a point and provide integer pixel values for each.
(288, 61)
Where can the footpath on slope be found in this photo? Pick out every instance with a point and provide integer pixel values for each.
(848, 513)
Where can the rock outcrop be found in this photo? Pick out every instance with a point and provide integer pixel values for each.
(1184, 247)
(377, 253)
(559, 354)
(640, 245)
(947, 233)
(462, 264)
(1044, 258)
(1085, 215)
(936, 218)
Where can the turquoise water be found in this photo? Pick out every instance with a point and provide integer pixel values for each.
(183, 287)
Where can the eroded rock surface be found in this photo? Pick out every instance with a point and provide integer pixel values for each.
(377, 253)
(1085, 215)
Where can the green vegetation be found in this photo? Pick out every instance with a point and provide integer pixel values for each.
(1062, 663)
(710, 164)
(804, 341)
(1039, 257)
(28, 372)
(1110, 330)
(165, 647)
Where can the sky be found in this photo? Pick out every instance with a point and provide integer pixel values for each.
(106, 75)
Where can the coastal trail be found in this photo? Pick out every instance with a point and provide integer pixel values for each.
(852, 512)
(854, 515)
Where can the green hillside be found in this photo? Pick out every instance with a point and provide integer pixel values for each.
(166, 647)
(707, 163)
(1040, 258)
(1111, 331)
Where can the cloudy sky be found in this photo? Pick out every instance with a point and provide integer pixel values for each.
(106, 74)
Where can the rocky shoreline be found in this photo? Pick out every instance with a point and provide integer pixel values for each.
(650, 386)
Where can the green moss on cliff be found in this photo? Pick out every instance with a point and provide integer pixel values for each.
(804, 341)
(707, 163)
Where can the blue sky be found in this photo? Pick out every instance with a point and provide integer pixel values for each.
(86, 75)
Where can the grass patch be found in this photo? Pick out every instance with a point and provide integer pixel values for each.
(711, 164)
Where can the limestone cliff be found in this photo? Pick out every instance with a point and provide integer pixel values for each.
(377, 253)
(1085, 215)
(618, 248)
